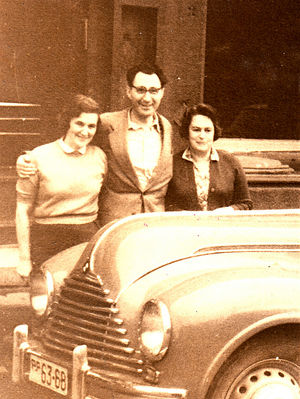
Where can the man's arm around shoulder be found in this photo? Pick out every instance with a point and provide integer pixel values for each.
(25, 167)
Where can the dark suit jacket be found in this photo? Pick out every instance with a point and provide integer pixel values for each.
(227, 186)
(121, 195)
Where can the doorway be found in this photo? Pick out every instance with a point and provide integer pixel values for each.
(136, 41)
(252, 67)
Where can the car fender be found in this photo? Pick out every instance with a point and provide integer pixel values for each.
(61, 264)
(206, 327)
(292, 318)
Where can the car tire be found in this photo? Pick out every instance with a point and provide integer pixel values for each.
(267, 366)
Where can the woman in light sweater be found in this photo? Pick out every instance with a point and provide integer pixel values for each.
(61, 198)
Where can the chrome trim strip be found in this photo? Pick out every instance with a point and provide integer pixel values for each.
(89, 307)
(100, 356)
(105, 362)
(233, 248)
(98, 327)
(82, 313)
(79, 329)
(87, 341)
(75, 291)
(74, 283)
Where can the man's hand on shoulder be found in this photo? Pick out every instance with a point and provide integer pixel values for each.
(24, 166)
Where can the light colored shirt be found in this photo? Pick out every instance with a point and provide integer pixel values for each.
(144, 147)
(201, 173)
(66, 186)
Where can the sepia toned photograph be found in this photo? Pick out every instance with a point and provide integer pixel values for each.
(150, 199)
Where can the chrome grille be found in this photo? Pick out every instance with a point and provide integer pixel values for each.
(85, 315)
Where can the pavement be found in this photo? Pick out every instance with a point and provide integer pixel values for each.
(15, 309)
(14, 298)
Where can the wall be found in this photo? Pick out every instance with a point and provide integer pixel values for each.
(180, 41)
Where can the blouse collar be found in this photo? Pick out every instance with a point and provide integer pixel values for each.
(187, 155)
(69, 150)
(135, 126)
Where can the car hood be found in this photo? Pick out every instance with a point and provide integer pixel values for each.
(133, 247)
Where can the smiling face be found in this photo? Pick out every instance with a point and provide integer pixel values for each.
(201, 135)
(145, 103)
(82, 130)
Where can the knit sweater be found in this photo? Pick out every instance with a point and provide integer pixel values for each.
(227, 185)
(65, 189)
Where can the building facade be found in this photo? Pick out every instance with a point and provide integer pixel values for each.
(234, 55)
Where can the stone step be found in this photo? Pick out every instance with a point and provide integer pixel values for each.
(9, 259)
(13, 144)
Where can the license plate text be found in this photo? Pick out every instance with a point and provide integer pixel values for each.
(48, 374)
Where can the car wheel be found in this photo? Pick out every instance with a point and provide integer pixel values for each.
(266, 367)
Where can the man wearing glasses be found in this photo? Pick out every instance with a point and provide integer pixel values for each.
(138, 145)
(137, 142)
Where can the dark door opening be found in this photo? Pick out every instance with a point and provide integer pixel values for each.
(137, 34)
(252, 67)
(139, 26)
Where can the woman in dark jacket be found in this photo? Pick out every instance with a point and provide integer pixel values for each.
(204, 178)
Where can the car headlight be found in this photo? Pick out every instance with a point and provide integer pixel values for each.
(41, 292)
(155, 330)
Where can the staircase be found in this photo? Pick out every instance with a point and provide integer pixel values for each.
(19, 131)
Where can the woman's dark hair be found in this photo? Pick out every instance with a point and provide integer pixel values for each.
(77, 104)
(147, 68)
(199, 109)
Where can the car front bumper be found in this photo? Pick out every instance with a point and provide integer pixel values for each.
(85, 383)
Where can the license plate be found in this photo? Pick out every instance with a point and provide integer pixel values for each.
(48, 374)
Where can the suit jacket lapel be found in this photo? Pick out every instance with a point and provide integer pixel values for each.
(118, 143)
(165, 158)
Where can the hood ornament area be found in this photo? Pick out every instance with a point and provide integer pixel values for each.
(86, 267)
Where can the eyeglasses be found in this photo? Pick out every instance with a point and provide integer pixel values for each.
(153, 91)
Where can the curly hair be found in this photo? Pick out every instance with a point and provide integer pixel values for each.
(199, 109)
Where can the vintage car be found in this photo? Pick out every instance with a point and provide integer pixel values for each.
(169, 305)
